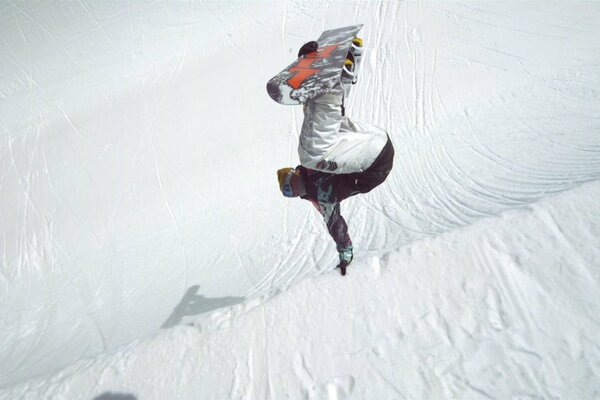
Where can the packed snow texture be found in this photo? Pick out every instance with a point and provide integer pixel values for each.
(138, 150)
(504, 308)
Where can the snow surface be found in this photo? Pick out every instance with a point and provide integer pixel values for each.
(138, 150)
(504, 308)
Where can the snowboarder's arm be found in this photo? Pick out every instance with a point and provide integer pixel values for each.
(338, 229)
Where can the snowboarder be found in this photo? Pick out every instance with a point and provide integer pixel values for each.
(339, 157)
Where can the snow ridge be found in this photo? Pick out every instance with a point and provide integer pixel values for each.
(506, 307)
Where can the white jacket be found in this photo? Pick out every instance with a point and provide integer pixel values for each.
(333, 143)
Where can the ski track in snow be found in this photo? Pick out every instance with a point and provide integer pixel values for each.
(137, 161)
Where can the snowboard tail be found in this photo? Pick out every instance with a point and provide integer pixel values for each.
(315, 73)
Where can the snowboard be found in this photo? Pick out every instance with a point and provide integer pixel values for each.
(315, 73)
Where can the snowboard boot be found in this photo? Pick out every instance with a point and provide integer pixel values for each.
(346, 257)
(352, 62)
(290, 182)
(348, 70)
(348, 75)
(356, 48)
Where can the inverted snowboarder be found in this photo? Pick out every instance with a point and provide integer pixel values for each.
(339, 157)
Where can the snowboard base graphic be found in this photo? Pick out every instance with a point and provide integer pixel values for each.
(315, 73)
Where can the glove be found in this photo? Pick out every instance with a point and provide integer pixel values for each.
(346, 257)
(306, 48)
(342, 266)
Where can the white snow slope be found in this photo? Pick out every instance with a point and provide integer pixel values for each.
(138, 151)
(504, 308)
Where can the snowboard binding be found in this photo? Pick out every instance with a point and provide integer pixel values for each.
(350, 68)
